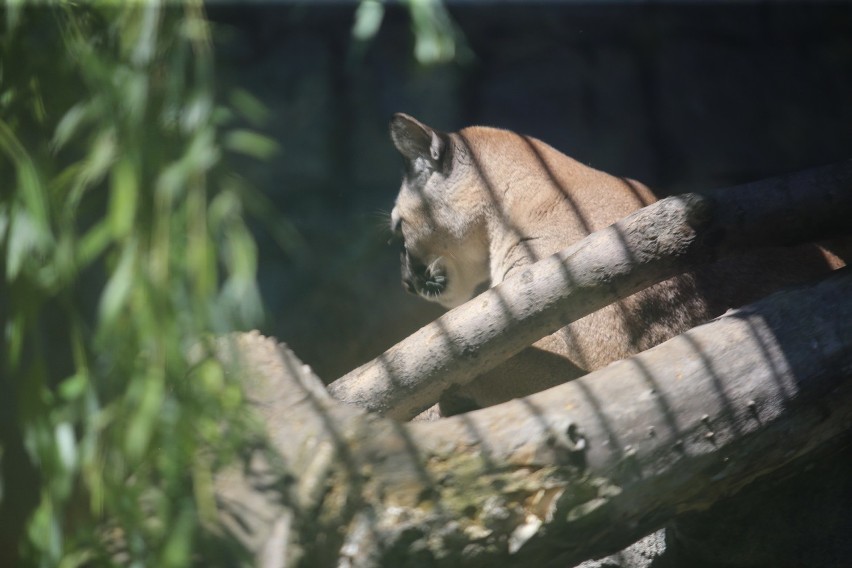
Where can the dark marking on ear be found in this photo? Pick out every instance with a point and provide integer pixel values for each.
(414, 140)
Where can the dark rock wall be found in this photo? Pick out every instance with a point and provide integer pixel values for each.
(680, 95)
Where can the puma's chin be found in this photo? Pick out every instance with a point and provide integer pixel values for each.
(456, 289)
(466, 277)
(436, 282)
(450, 299)
(428, 281)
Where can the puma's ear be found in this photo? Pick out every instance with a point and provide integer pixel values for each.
(415, 140)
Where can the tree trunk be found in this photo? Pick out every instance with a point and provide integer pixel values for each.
(653, 244)
(578, 471)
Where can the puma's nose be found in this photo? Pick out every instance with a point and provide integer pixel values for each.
(396, 223)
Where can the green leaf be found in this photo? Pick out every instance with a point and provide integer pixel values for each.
(146, 43)
(224, 206)
(134, 88)
(210, 375)
(251, 144)
(25, 241)
(119, 285)
(196, 113)
(368, 19)
(240, 251)
(172, 180)
(29, 184)
(62, 269)
(70, 124)
(434, 32)
(203, 151)
(14, 336)
(66, 445)
(100, 158)
(74, 386)
(93, 243)
(83, 557)
(249, 107)
(13, 14)
(124, 197)
(45, 531)
(143, 419)
(177, 551)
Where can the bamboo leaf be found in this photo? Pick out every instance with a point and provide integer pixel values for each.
(140, 428)
(93, 243)
(70, 124)
(25, 241)
(251, 144)
(118, 287)
(249, 107)
(100, 158)
(29, 184)
(66, 445)
(124, 197)
(368, 19)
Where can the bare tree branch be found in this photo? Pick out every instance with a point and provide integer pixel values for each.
(574, 472)
(653, 244)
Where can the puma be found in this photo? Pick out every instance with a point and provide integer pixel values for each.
(477, 205)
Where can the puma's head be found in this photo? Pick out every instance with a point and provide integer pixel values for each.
(478, 204)
(438, 215)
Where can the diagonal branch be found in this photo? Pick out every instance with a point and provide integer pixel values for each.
(653, 244)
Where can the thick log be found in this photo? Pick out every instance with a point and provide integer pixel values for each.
(578, 471)
(653, 244)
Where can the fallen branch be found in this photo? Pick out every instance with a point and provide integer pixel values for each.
(655, 243)
(577, 471)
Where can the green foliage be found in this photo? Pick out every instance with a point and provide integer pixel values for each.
(124, 250)
(436, 37)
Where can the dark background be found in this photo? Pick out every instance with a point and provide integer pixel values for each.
(683, 96)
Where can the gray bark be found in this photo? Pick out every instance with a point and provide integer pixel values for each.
(578, 471)
(653, 244)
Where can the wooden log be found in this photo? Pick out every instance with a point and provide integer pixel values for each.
(575, 472)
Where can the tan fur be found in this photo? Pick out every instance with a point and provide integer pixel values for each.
(479, 204)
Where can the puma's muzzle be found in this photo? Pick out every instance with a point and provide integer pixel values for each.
(418, 278)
